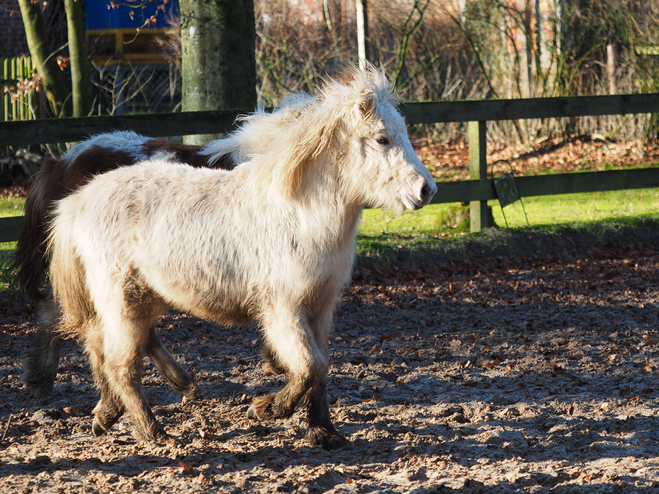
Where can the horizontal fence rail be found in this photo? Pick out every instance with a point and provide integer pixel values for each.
(10, 227)
(54, 130)
(520, 109)
(477, 191)
(546, 185)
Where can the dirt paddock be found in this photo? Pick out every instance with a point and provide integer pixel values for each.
(499, 375)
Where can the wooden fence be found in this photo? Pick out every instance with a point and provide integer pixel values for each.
(476, 191)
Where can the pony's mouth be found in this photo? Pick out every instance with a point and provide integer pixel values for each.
(412, 204)
(418, 200)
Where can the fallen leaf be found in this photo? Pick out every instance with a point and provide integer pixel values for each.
(187, 468)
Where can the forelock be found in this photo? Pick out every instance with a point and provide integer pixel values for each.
(358, 84)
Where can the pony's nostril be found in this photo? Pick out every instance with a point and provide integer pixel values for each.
(425, 193)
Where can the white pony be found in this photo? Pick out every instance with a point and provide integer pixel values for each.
(272, 241)
(99, 154)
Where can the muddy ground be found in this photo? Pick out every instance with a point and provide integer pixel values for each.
(496, 374)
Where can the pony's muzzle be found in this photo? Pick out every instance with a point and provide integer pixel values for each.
(425, 192)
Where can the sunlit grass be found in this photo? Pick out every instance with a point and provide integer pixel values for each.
(579, 208)
(541, 211)
(11, 206)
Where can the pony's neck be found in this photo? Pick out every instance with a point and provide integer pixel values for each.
(327, 201)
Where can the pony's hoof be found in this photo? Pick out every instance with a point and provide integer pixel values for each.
(156, 434)
(194, 393)
(42, 391)
(265, 408)
(38, 386)
(97, 429)
(318, 436)
(161, 437)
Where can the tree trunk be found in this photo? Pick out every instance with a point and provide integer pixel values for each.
(76, 35)
(46, 65)
(218, 65)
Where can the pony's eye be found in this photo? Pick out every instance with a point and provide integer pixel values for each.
(382, 140)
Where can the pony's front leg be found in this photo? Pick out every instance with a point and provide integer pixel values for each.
(321, 430)
(302, 351)
(123, 369)
(290, 343)
(107, 411)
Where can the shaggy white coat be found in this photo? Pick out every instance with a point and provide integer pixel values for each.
(271, 241)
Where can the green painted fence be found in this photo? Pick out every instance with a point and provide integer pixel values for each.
(14, 100)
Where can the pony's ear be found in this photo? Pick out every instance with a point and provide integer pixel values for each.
(367, 107)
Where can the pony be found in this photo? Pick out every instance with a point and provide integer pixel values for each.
(99, 154)
(272, 241)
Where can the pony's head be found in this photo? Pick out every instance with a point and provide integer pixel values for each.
(380, 166)
(352, 131)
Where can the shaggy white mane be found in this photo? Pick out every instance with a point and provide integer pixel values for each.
(313, 117)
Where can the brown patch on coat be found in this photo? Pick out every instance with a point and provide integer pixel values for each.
(187, 154)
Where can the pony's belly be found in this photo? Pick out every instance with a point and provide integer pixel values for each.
(226, 314)
(218, 306)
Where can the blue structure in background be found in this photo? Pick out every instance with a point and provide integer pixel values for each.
(128, 56)
(99, 15)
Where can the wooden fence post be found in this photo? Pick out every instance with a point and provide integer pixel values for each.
(478, 212)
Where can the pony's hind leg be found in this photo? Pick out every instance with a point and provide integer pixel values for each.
(174, 374)
(42, 358)
(41, 361)
(125, 318)
(109, 408)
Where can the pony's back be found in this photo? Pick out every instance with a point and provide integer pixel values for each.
(58, 178)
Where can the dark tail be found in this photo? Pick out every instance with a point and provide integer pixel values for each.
(30, 258)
